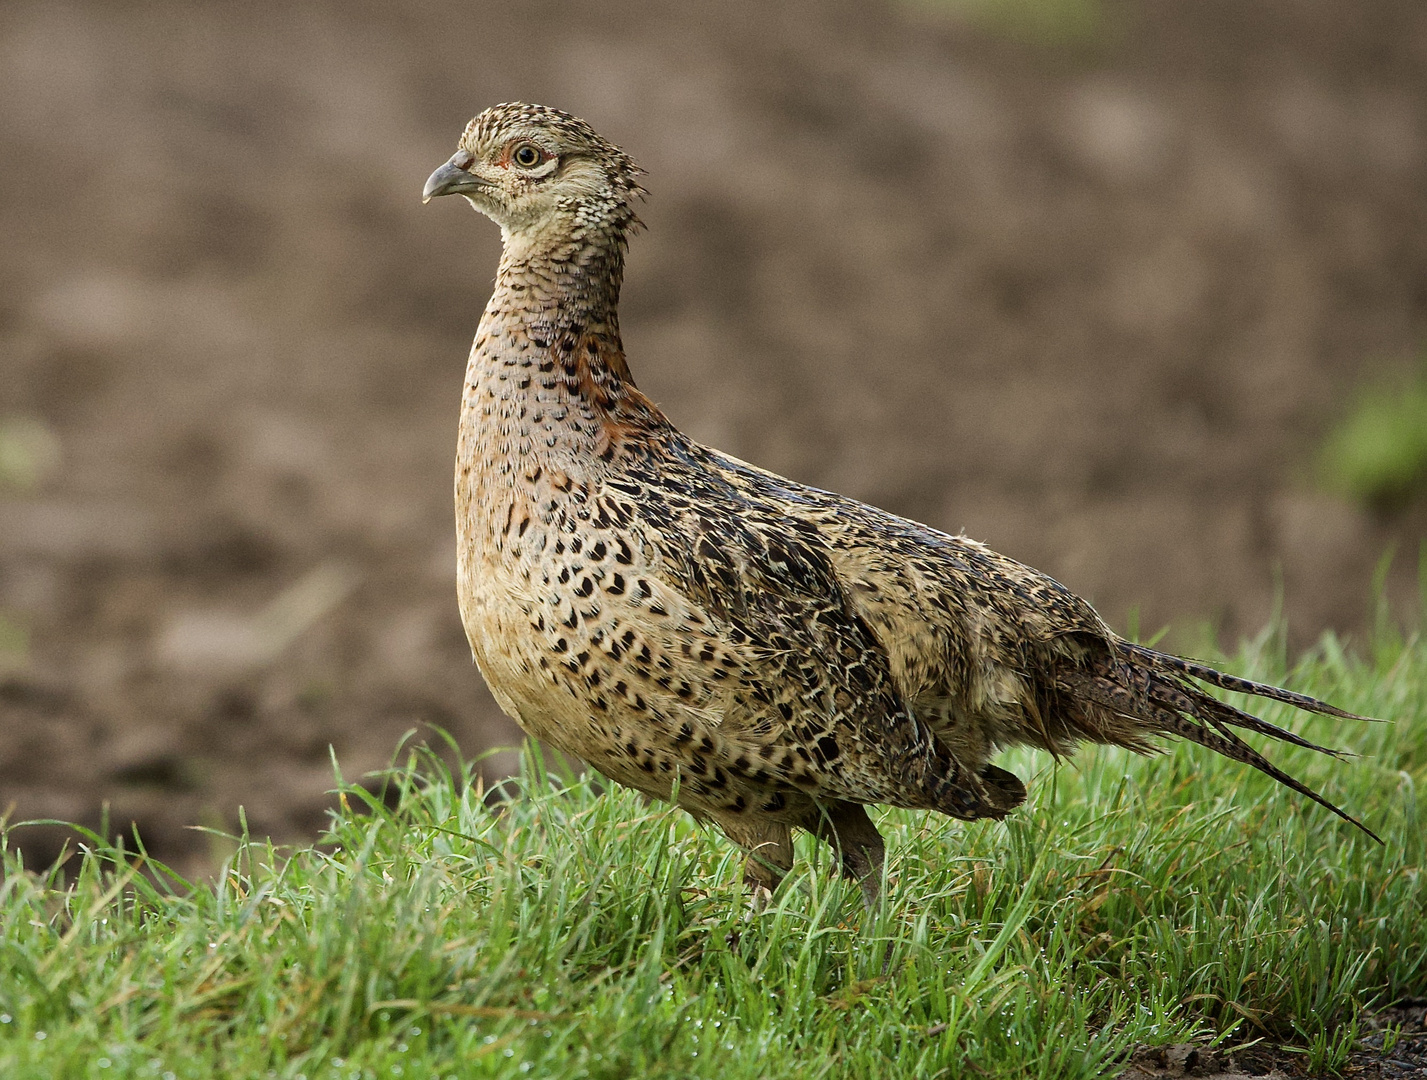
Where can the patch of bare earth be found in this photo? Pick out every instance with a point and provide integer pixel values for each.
(1393, 1047)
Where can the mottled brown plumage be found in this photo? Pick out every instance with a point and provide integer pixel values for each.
(771, 655)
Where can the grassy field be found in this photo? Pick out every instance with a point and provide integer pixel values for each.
(569, 933)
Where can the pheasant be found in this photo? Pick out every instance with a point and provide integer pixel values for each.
(768, 655)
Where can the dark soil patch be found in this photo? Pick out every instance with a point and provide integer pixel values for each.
(1394, 1047)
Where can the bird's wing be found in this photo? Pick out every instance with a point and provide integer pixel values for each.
(816, 684)
(968, 635)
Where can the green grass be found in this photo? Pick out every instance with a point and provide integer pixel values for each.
(568, 933)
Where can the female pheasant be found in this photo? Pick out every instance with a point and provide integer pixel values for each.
(770, 655)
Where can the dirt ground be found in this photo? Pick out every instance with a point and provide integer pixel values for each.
(1393, 1046)
(1093, 302)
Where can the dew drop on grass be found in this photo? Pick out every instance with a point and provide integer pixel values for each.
(103, 1063)
(40, 1036)
(5, 1018)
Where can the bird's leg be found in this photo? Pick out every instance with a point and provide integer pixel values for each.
(770, 854)
(859, 846)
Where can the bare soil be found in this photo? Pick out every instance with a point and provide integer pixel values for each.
(1393, 1047)
(1095, 303)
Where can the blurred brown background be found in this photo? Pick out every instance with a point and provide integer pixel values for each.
(1087, 281)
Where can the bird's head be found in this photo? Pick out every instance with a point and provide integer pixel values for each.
(537, 171)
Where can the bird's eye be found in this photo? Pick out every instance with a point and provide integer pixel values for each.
(526, 156)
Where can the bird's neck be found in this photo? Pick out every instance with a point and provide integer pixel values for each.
(559, 283)
(547, 377)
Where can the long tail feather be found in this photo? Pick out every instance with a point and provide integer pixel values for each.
(1154, 687)
(1191, 699)
(1155, 659)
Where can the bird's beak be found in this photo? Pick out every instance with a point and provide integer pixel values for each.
(452, 178)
